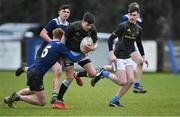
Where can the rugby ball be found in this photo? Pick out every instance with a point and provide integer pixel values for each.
(87, 41)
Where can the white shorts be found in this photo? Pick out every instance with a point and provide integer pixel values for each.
(134, 65)
(123, 63)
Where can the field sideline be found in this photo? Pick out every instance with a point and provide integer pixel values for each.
(162, 98)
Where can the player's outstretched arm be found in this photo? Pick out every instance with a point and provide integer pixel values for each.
(73, 57)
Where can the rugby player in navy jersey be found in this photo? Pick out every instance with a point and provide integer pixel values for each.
(50, 55)
(73, 36)
(46, 35)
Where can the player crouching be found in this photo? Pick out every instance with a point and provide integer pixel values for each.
(35, 94)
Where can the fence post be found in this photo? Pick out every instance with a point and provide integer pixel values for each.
(172, 57)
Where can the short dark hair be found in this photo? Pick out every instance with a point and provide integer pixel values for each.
(89, 17)
(134, 6)
(133, 9)
(65, 6)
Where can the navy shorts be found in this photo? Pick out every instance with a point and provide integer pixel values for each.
(35, 79)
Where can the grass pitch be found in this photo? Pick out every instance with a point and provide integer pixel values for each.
(162, 98)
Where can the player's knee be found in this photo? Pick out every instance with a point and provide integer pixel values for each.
(131, 80)
(140, 62)
(57, 72)
(122, 82)
(92, 74)
(42, 103)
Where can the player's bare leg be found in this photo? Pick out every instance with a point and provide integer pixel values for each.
(25, 91)
(137, 58)
(56, 81)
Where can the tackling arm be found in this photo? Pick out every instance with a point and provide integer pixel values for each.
(73, 57)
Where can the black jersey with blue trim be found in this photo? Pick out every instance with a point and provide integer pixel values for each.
(52, 53)
(75, 33)
(127, 34)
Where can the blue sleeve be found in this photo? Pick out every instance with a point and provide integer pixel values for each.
(124, 18)
(65, 51)
(50, 26)
(74, 58)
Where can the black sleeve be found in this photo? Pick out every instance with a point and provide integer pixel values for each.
(110, 41)
(94, 34)
(120, 30)
(139, 44)
(117, 33)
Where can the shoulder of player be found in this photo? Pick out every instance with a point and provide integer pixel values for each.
(53, 20)
(138, 26)
(75, 23)
(139, 19)
(93, 26)
(123, 24)
(124, 18)
(56, 21)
